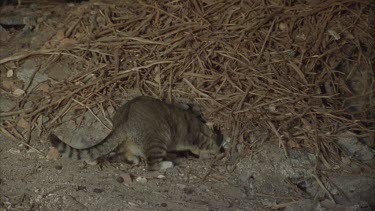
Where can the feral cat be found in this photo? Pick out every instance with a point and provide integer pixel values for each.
(146, 129)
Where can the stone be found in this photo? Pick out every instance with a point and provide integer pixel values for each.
(141, 180)
(349, 142)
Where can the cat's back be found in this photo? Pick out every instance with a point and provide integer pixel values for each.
(141, 109)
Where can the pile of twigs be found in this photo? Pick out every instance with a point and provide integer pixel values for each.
(291, 69)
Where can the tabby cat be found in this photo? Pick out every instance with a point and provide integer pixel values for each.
(146, 129)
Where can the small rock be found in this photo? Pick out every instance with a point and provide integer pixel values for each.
(166, 165)
(306, 204)
(369, 140)
(181, 186)
(132, 204)
(127, 179)
(31, 150)
(11, 65)
(7, 84)
(345, 160)
(188, 191)
(43, 87)
(301, 37)
(91, 162)
(244, 177)
(334, 34)
(283, 26)
(210, 125)
(53, 153)
(60, 34)
(98, 190)
(58, 167)
(14, 151)
(240, 147)
(80, 187)
(9, 73)
(38, 198)
(141, 180)
(18, 92)
(349, 142)
(164, 204)
(205, 156)
(67, 42)
(23, 123)
(111, 110)
(272, 108)
(160, 176)
(120, 179)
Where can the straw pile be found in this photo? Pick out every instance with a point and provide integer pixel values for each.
(300, 71)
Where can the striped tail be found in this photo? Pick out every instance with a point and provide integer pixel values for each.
(104, 147)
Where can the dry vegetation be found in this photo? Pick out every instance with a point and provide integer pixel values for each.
(302, 72)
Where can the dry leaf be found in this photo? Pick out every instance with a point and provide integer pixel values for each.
(23, 123)
(272, 107)
(306, 125)
(53, 153)
(210, 125)
(43, 87)
(334, 34)
(68, 42)
(292, 144)
(157, 78)
(60, 35)
(283, 26)
(8, 85)
(48, 44)
(79, 35)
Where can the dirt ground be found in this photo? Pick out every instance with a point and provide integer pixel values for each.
(262, 178)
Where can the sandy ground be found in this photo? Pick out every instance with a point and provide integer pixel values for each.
(266, 180)
(262, 178)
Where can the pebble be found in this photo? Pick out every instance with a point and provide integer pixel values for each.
(9, 73)
(98, 190)
(18, 92)
(91, 162)
(160, 176)
(126, 178)
(181, 186)
(80, 187)
(14, 151)
(350, 143)
(283, 26)
(120, 179)
(141, 180)
(132, 204)
(58, 167)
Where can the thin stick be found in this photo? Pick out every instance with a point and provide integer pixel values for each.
(96, 117)
(324, 188)
(195, 89)
(279, 137)
(7, 134)
(265, 41)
